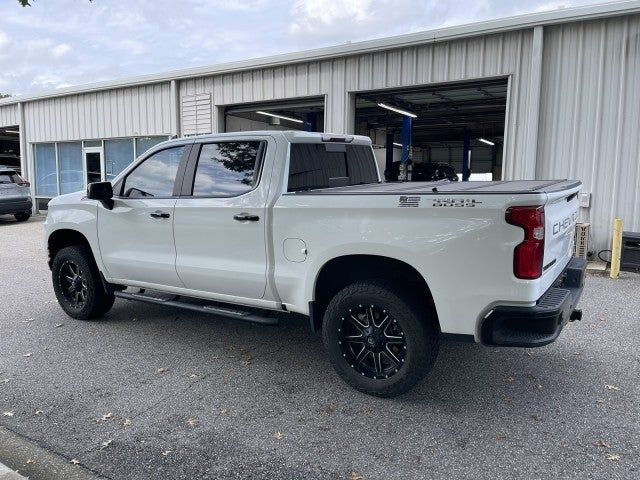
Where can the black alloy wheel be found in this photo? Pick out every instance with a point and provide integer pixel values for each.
(77, 283)
(372, 341)
(382, 339)
(73, 284)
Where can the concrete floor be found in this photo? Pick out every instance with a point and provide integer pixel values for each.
(242, 401)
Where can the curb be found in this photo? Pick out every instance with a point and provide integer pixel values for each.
(35, 462)
(7, 474)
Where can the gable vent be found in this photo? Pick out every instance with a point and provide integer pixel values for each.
(196, 114)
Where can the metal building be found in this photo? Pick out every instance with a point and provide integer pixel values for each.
(546, 95)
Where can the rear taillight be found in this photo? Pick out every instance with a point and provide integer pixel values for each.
(528, 256)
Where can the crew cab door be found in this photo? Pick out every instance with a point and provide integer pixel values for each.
(219, 225)
(136, 236)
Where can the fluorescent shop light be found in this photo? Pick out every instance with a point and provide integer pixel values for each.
(488, 142)
(280, 116)
(397, 144)
(398, 110)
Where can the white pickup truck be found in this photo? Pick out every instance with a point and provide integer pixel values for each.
(261, 225)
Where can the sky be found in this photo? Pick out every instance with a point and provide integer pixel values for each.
(59, 43)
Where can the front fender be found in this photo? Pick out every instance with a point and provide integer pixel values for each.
(74, 212)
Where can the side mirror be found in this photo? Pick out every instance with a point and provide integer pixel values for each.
(101, 191)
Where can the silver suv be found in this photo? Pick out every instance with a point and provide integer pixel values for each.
(15, 196)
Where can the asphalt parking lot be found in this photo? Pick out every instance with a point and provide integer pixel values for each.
(160, 393)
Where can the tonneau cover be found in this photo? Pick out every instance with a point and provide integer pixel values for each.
(445, 186)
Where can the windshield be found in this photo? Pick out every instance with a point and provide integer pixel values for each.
(326, 165)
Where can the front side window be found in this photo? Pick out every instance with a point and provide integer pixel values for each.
(327, 165)
(226, 169)
(155, 176)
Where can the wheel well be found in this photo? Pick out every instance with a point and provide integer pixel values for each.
(64, 238)
(342, 271)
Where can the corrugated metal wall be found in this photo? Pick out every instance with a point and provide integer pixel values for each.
(9, 115)
(124, 112)
(478, 57)
(590, 117)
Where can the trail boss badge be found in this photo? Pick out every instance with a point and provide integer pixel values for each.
(409, 201)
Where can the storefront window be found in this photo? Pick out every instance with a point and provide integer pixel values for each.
(70, 161)
(46, 175)
(118, 155)
(67, 168)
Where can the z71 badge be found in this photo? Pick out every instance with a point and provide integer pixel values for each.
(455, 202)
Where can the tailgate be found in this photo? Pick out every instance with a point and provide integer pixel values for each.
(561, 215)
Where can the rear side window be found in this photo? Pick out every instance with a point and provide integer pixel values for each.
(227, 169)
(327, 165)
(155, 176)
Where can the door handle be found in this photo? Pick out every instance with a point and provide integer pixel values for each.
(159, 214)
(244, 217)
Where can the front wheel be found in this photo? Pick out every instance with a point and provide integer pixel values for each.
(77, 284)
(379, 339)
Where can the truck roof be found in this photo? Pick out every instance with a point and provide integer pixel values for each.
(292, 136)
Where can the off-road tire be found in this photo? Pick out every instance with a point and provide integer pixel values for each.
(97, 301)
(419, 329)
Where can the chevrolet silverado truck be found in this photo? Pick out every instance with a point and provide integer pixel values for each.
(260, 226)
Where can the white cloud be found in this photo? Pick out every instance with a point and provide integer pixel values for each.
(60, 50)
(312, 16)
(134, 47)
(4, 40)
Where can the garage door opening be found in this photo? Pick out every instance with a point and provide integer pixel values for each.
(304, 114)
(10, 147)
(446, 130)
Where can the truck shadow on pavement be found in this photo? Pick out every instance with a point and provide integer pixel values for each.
(288, 359)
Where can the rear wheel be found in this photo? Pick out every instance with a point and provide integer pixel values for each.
(379, 339)
(77, 284)
(22, 216)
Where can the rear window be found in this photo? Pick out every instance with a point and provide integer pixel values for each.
(10, 177)
(327, 165)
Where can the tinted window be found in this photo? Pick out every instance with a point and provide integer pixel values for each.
(226, 169)
(326, 165)
(155, 176)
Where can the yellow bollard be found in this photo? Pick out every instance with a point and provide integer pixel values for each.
(616, 247)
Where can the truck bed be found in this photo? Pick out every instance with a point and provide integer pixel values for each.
(445, 186)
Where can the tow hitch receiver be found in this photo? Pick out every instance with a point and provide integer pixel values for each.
(575, 315)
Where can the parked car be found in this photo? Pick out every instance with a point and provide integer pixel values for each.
(255, 226)
(10, 161)
(423, 172)
(15, 195)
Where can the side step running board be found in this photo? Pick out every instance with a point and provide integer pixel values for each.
(216, 310)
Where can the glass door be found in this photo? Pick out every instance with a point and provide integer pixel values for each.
(93, 164)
